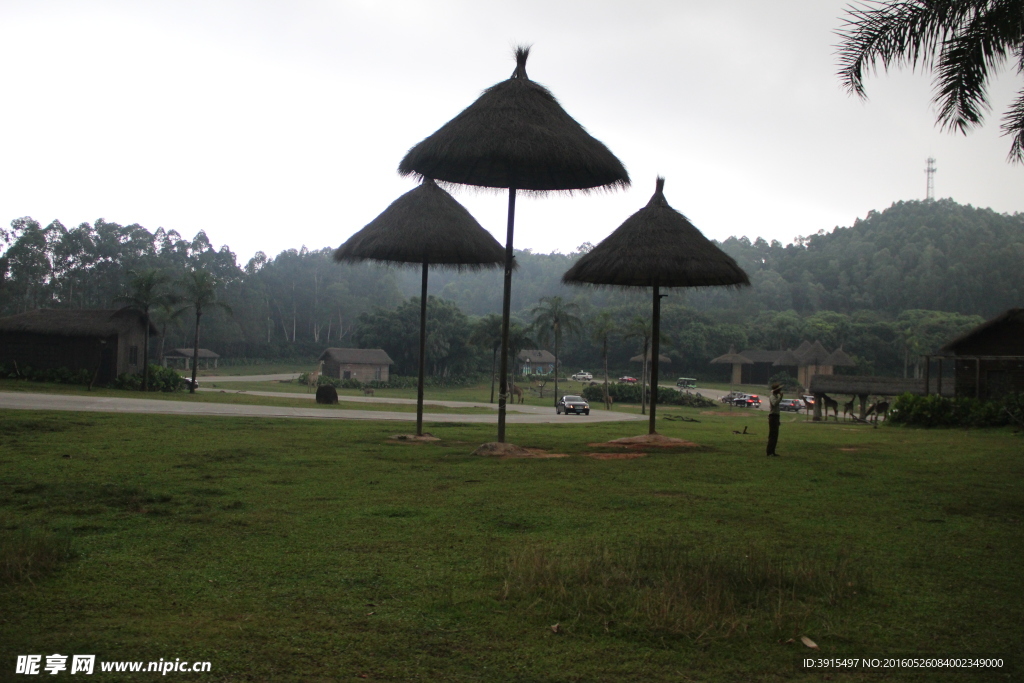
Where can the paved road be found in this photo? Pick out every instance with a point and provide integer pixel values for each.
(244, 378)
(30, 401)
(536, 410)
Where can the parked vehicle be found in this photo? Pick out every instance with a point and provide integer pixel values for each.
(572, 404)
(188, 382)
(793, 405)
(748, 401)
(628, 380)
(582, 376)
(686, 383)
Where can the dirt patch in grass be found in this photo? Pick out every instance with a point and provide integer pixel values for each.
(628, 455)
(412, 438)
(646, 441)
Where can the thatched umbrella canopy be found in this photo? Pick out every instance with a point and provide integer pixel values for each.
(656, 247)
(787, 359)
(515, 136)
(425, 226)
(737, 361)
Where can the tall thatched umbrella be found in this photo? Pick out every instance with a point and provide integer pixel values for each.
(515, 136)
(426, 226)
(656, 247)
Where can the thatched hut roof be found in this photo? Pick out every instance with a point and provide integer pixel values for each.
(815, 355)
(535, 356)
(733, 358)
(787, 359)
(640, 358)
(858, 384)
(516, 135)
(66, 322)
(656, 246)
(424, 225)
(1003, 335)
(357, 356)
(839, 358)
(804, 347)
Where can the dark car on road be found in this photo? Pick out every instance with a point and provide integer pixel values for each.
(731, 397)
(572, 404)
(748, 401)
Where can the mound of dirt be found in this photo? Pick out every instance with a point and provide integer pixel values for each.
(412, 438)
(496, 449)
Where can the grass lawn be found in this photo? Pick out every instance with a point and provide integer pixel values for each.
(293, 550)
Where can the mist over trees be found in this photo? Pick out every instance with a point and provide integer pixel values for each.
(895, 284)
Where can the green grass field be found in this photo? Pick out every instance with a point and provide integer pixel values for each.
(294, 550)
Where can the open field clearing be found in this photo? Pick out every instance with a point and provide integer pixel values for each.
(303, 550)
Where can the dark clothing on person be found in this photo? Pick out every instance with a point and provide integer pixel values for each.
(773, 432)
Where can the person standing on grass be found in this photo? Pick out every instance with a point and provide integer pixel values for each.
(774, 417)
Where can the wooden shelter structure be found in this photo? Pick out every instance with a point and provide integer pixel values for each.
(106, 342)
(365, 365)
(515, 136)
(185, 357)
(737, 360)
(536, 362)
(425, 226)
(861, 386)
(656, 247)
(988, 360)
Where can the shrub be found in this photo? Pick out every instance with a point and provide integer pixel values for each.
(160, 379)
(28, 554)
(630, 393)
(937, 411)
(55, 375)
(788, 382)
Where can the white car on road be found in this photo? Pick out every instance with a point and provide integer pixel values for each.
(582, 376)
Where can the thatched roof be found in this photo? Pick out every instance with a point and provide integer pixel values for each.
(1002, 335)
(839, 358)
(75, 322)
(787, 359)
(357, 356)
(816, 354)
(657, 245)
(733, 358)
(535, 356)
(424, 225)
(516, 135)
(854, 384)
(804, 347)
(640, 357)
(187, 353)
(760, 355)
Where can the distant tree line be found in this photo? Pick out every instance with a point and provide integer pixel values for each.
(895, 284)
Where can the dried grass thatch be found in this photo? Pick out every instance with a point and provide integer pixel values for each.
(787, 359)
(816, 354)
(516, 135)
(75, 322)
(839, 359)
(733, 358)
(424, 225)
(641, 358)
(656, 246)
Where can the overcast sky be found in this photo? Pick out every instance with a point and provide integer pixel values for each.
(272, 125)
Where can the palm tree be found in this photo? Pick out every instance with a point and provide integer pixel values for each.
(165, 311)
(960, 40)
(144, 293)
(199, 292)
(553, 315)
(602, 326)
(487, 332)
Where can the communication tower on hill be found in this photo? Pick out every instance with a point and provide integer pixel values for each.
(929, 171)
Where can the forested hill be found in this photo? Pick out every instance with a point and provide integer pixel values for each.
(936, 255)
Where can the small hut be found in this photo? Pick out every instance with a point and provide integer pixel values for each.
(988, 360)
(536, 362)
(106, 342)
(184, 358)
(515, 136)
(656, 247)
(365, 365)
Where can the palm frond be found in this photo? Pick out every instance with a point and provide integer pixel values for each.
(1013, 125)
